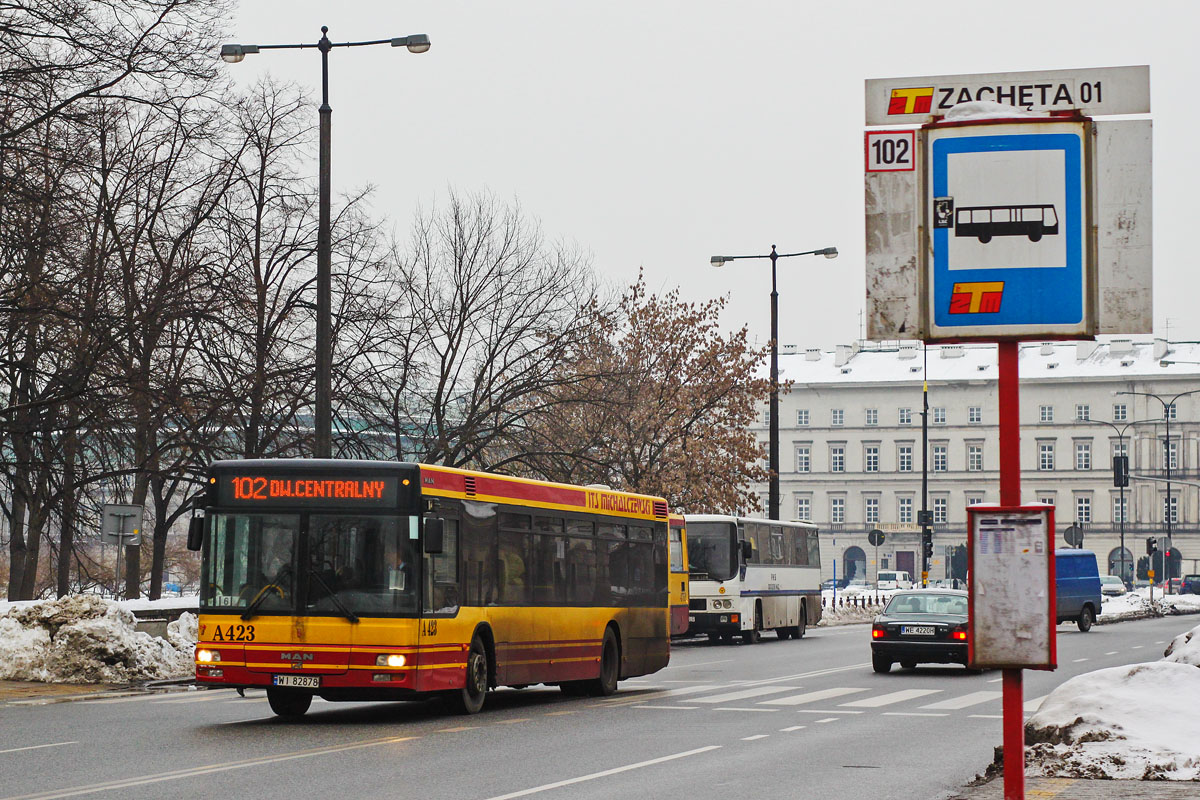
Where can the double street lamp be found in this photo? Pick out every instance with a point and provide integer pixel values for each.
(232, 54)
(1121, 478)
(773, 412)
(1168, 412)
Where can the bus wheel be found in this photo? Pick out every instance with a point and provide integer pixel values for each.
(783, 633)
(574, 688)
(801, 626)
(469, 699)
(288, 704)
(753, 636)
(610, 666)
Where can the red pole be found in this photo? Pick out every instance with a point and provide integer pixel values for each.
(1010, 495)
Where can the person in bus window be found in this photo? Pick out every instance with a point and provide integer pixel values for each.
(402, 575)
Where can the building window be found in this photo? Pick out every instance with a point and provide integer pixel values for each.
(904, 458)
(906, 416)
(1083, 455)
(1083, 412)
(1120, 412)
(939, 458)
(1046, 413)
(804, 508)
(1048, 499)
(904, 509)
(871, 458)
(837, 510)
(871, 510)
(1045, 456)
(939, 416)
(941, 509)
(1171, 451)
(838, 417)
(1120, 448)
(1083, 508)
(1169, 411)
(974, 499)
(1171, 509)
(802, 417)
(804, 458)
(872, 416)
(975, 414)
(975, 458)
(1120, 509)
(837, 459)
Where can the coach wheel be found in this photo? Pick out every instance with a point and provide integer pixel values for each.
(754, 635)
(610, 666)
(783, 633)
(801, 626)
(288, 703)
(1086, 618)
(880, 663)
(985, 238)
(574, 688)
(469, 699)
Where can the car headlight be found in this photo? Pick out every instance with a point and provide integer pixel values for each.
(390, 660)
(205, 656)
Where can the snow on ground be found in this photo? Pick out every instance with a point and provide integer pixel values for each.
(1134, 722)
(1137, 605)
(88, 639)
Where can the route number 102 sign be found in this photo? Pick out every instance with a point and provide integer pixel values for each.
(891, 151)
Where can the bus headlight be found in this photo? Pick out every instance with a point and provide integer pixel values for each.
(207, 656)
(390, 660)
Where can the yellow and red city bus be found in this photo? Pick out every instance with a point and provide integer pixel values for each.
(678, 578)
(367, 580)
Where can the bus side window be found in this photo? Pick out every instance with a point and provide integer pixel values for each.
(479, 555)
(441, 573)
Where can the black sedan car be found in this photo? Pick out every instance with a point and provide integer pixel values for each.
(921, 626)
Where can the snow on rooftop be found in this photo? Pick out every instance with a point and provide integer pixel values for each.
(887, 362)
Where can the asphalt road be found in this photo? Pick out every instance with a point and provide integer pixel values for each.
(786, 719)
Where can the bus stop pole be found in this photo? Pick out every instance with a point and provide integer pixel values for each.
(1010, 495)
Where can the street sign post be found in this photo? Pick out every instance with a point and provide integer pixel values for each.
(122, 526)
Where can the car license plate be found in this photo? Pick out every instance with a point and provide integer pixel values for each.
(298, 681)
(917, 630)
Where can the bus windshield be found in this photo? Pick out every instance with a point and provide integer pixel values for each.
(362, 564)
(712, 549)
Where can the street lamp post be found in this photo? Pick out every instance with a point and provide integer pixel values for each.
(1168, 411)
(232, 54)
(1120, 431)
(773, 411)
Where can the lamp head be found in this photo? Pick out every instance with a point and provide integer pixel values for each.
(417, 43)
(233, 53)
(829, 252)
(718, 261)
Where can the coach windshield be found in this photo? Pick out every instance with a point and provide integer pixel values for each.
(712, 550)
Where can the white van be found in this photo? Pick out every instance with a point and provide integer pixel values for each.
(893, 579)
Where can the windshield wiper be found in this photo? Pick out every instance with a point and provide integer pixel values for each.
(259, 599)
(347, 613)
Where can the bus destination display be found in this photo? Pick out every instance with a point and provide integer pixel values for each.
(378, 490)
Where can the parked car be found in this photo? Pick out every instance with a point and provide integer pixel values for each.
(921, 626)
(829, 584)
(1112, 585)
(1077, 585)
(1191, 584)
(893, 579)
(1174, 585)
(858, 586)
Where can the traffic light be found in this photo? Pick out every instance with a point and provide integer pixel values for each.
(1151, 545)
(927, 545)
(1120, 471)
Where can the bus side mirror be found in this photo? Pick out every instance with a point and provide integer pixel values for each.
(195, 533)
(747, 549)
(434, 531)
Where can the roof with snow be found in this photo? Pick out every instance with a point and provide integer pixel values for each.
(894, 362)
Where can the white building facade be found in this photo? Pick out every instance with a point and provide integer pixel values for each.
(851, 455)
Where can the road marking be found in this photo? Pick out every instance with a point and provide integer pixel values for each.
(826, 711)
(671, 708)
(974, 698)
(995, 680)
(117, 700)
(616, 770)
(810, 697)
(557, 713)
(756, 736)
(701, 664)
(986, 716)
(459, 728)
(827, 719)
(200, 699)
(1160, 642)
(510, 721)
(1111, 653)
(793, 728)
(734, 708)
(1138, 646)
(890, 698)
(209, 769)
(911, 714)
(1079, 660)
(814, 674)
(36, 747)
(746, 694)
(1032, 705)
(612, 702)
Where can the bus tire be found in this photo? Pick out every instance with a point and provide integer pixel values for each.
(783, 633)
(754, 635)
(574, 688)
(801, 626)
(288, 703)
(610, 666)
(469, 699)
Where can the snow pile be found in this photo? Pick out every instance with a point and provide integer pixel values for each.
(848, 615)
(1123, 722)
(1181, 603)
(1126, 606)
(87, 639)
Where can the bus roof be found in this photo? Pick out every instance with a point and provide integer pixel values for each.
(795, 523)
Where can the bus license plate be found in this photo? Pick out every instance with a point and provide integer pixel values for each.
(916, 630)
(298, 681)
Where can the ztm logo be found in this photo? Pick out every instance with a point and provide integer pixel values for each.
(911, 101)
(976, 298)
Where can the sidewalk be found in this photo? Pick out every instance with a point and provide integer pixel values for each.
(1037, 788)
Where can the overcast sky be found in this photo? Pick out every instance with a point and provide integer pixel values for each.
(656, 134)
